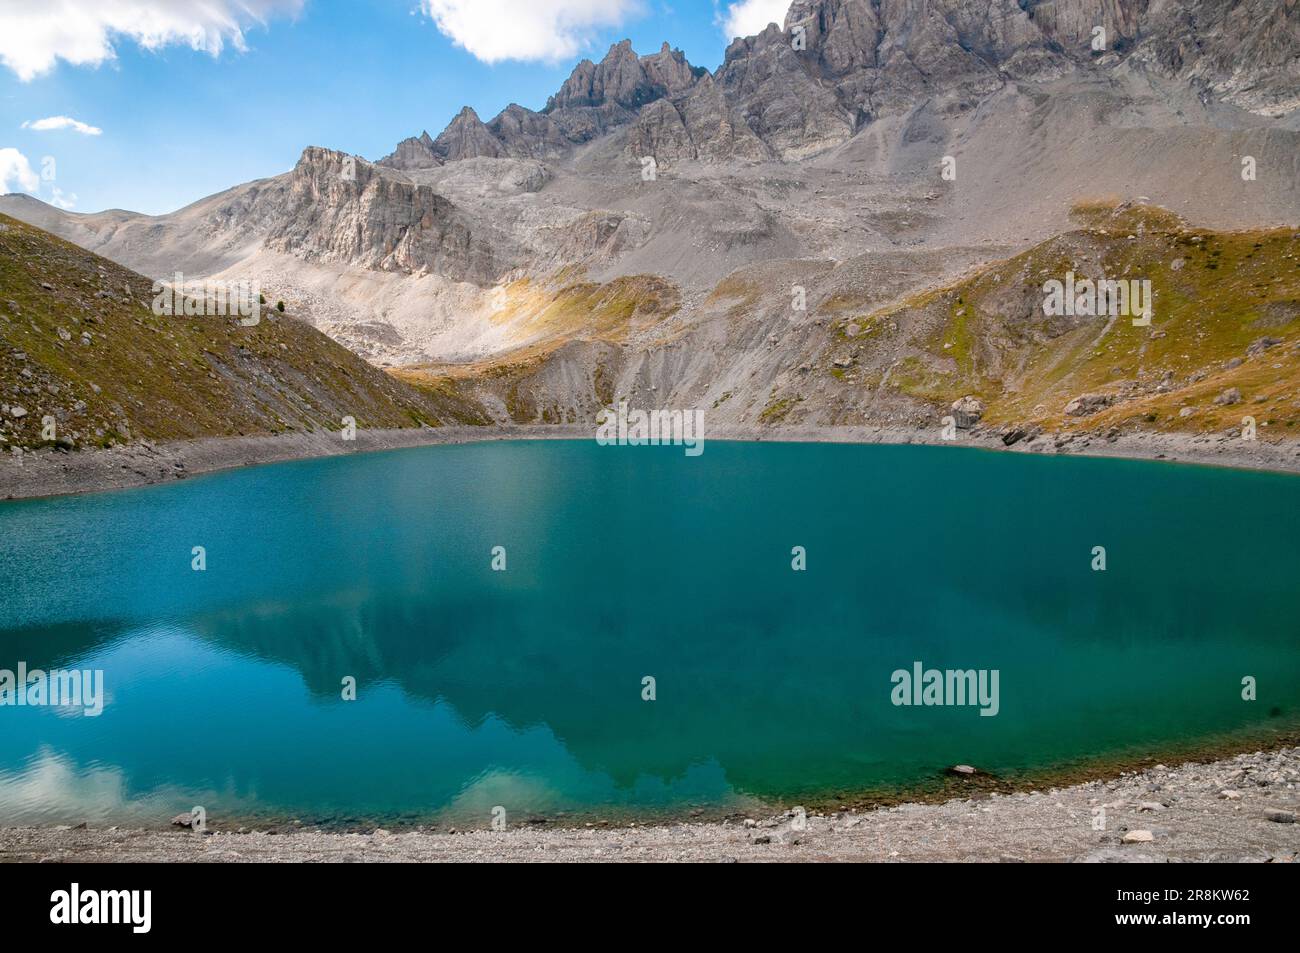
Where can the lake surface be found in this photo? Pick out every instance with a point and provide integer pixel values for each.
(524, 688)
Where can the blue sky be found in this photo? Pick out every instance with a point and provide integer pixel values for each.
(177, 123)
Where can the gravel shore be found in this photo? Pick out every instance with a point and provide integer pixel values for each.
(1240, 809)
(55, 473)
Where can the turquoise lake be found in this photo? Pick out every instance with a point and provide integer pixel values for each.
(523, 688)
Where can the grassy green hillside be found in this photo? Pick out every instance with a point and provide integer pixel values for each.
(79, 342)
(1223, 341)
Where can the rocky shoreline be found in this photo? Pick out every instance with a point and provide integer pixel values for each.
(1239, 809)
(52, 472)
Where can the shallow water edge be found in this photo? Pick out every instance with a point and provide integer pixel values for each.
(944, 787)
(1192, 821)
(51, 473)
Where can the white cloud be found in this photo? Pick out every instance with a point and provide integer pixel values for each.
(62, 199)
(34, 34)
(751, 17)
(547, 30)
(15, 168)
(62, 122)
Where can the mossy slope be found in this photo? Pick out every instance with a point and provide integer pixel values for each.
(79, 342)
(1226, 316)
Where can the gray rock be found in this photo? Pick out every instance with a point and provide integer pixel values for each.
(528, 134)
(1088, 404)
(968, 411)
(624, 79)
(1261, 345)
(373, 220)
(1013, 436)
(524, 177)
(467, 138)
(414, 153)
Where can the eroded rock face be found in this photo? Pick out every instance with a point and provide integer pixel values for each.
(467, 138)
(625, 79)
(660, 132)
(340, 210)
(702, 126)
(596, 237)
(414, 153)
(772, 85)
(527, 134)
(1243, 52)
(599, 97)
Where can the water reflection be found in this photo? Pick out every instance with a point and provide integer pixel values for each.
(524, 688)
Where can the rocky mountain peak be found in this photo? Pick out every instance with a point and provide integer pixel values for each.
(624, 79)
(414, 153)
(527, 134)
(467, 138)
(837, 66)
(337, 208)
(669, 71)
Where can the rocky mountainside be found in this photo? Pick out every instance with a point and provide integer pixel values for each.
(1223, 343)
(355, 215)
(80, 344)
(865, 152)
(596, 98)
(838, 66)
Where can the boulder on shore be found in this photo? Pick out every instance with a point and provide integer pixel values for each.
(967, 412)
